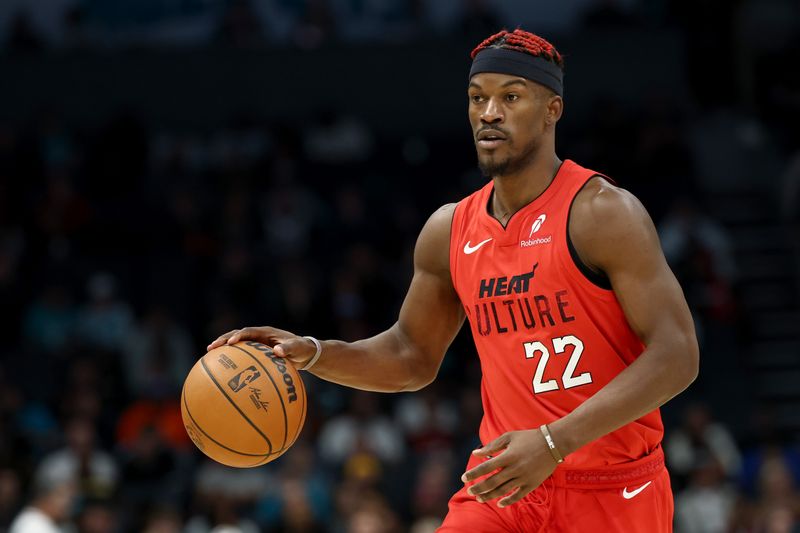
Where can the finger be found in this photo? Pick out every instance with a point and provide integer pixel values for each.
(482, 469)
(295, 348)
(502, 490)
(497, 445)
(222, 339)
(514, 497)
(247, 334)
(490, 483)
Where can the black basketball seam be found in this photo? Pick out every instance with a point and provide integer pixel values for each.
(210, 375)
(278, 392)
(212, 439)
(262, 461)
(305, 409)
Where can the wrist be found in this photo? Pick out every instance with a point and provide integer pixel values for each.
(562, 437)
(318, 352)
(551, 446)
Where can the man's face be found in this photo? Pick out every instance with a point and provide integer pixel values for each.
(509, 117)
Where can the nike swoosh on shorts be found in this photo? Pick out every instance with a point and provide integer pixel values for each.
(628, 495)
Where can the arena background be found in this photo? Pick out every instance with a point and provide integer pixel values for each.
(172, 169)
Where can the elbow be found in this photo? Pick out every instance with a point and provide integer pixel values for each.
(421, 373)
(419, 381)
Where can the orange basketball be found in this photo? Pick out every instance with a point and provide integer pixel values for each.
(242, 405)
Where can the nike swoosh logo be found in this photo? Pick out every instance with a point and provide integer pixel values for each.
(472, 249)
(628, 495)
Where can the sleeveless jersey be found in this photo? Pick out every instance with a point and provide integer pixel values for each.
(548, 338)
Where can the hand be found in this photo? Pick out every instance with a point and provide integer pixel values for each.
(525, 462)
(296, 349)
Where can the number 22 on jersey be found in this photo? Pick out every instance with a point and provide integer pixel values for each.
(568, 379)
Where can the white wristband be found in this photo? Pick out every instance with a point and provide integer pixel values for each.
(316, 355)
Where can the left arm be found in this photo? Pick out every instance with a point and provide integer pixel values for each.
(612, 233)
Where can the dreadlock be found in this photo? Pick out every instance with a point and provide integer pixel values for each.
(522, 41)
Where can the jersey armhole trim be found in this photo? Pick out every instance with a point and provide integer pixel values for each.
(451, 254)
(596, 278)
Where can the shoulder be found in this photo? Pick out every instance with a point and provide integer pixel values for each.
(601, 201)
(432, 251)
(439, 223)
(606, 219)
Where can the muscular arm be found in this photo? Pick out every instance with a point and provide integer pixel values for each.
(613, 233)
(405, 357)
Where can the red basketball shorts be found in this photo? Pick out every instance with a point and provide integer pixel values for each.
(631, 498)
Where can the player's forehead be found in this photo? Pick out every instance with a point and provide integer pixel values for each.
(494, 80)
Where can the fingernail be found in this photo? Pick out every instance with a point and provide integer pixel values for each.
(501, 505)
(464, 478)
(480, 500)
(469, 491)
(476, 451)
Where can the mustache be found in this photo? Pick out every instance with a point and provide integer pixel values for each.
(491, 128)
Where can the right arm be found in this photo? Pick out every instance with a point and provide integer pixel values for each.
(405, 357)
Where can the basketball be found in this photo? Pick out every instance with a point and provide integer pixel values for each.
(242, 405)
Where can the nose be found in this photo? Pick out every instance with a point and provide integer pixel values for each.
(492, 113)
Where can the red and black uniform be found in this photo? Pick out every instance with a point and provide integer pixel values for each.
(549, 338)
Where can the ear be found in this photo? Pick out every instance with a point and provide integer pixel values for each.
(555, 107)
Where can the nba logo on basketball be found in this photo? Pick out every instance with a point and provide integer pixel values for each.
(240, 380)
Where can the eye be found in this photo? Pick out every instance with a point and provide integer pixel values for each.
(476, 98)
(512, 97)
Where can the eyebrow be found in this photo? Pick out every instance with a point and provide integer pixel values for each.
(506, 84)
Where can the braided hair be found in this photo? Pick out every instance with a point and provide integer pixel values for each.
(522, 41)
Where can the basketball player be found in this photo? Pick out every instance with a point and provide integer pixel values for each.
(581, 328)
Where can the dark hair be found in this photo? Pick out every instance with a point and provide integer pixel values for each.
(522, 41)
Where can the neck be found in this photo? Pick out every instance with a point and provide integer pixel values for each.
(512, 192)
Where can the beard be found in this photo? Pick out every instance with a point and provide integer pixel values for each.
(491, 166)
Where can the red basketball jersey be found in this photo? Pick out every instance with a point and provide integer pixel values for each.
(548, 338)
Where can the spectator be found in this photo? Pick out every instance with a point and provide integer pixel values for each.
(301, 498)
(151, 473)
(106, 321)
(427, 419)
(224, 497)
(361, 428)
(702, 438)
(699, 250)
(97, 516)
(163, 520)
(706, 504)
(10, 496)
(50, 320)
(373, 515)
(94, 470)
(778, 494)
(158, 355)
(53, 497)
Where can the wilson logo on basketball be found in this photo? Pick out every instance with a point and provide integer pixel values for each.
(291, 392)
(240, 380)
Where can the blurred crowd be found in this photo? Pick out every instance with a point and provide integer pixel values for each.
(125, 248)
(74, 24)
